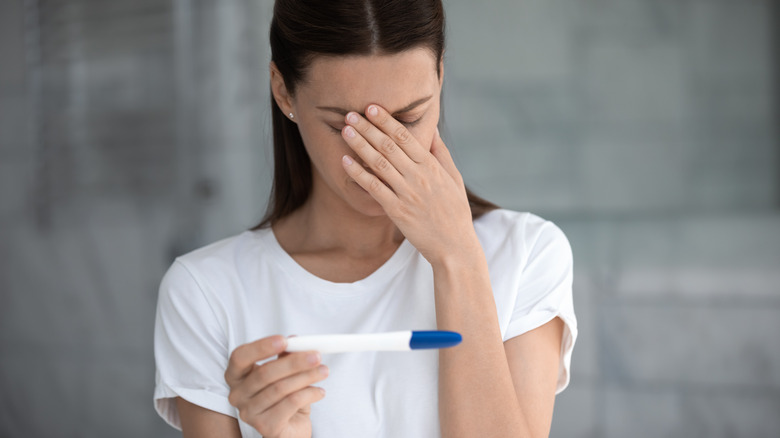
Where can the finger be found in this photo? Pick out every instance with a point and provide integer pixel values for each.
(243, 358)
(370, 183)
(378, 162)
(390, 146)
(280, 389)
(285, 353)
(265, 375)
(443, 156)
(401, 136)
(271, 422)
(279, 415)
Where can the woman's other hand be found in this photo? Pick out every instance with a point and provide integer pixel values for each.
(275, 398)
(421, 190)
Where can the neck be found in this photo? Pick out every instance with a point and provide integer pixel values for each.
(326, 223)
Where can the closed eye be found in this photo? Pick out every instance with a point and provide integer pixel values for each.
(412, 123)
(407, 124)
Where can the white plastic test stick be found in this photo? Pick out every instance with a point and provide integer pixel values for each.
(390, 341)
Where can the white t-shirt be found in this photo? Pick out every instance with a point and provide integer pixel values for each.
(247, 287)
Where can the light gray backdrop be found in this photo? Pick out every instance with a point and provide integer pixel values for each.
(132, 131)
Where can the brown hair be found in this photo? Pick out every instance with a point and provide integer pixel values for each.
(303, 29)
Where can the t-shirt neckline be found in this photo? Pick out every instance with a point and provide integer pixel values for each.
(373, 281)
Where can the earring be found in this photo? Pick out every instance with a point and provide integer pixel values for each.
(291, 116)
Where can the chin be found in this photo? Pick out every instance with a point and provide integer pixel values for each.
(373, 210)
(369, 207)
(363, 203)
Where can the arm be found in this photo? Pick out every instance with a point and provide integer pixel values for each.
(533, 359)
(198, 422)
(487, 387)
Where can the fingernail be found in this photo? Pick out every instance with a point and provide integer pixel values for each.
(372, 111)
(322, 391)
(346, 160)
(349, 131)
(313, 358)
(323, 370)
(352, 118)
(280, 343)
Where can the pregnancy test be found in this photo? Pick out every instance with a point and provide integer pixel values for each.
(390, 341)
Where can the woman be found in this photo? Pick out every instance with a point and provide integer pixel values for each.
(369, 229)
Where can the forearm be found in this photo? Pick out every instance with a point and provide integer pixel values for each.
(197, 422)
(476, 394)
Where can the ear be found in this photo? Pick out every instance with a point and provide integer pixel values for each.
(279, 90)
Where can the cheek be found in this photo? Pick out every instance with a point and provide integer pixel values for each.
(325, 148)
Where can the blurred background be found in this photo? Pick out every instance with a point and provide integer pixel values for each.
(133, 131)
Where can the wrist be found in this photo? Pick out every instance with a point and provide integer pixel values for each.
(467, 255)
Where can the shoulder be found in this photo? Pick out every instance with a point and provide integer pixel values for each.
(228, 253)
(503, 220)
(216, 264)
(221, 251)
(520, 235)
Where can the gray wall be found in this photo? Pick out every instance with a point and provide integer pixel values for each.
(647, 129)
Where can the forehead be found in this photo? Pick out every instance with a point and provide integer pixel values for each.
(352, 82)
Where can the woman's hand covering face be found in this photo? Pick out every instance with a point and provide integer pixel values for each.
(421, 190)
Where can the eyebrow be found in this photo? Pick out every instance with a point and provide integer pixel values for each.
(409, 107)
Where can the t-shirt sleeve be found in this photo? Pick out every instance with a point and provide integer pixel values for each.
(190, 348)
(545, 292)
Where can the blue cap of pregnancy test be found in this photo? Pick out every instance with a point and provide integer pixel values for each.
(434, 339)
